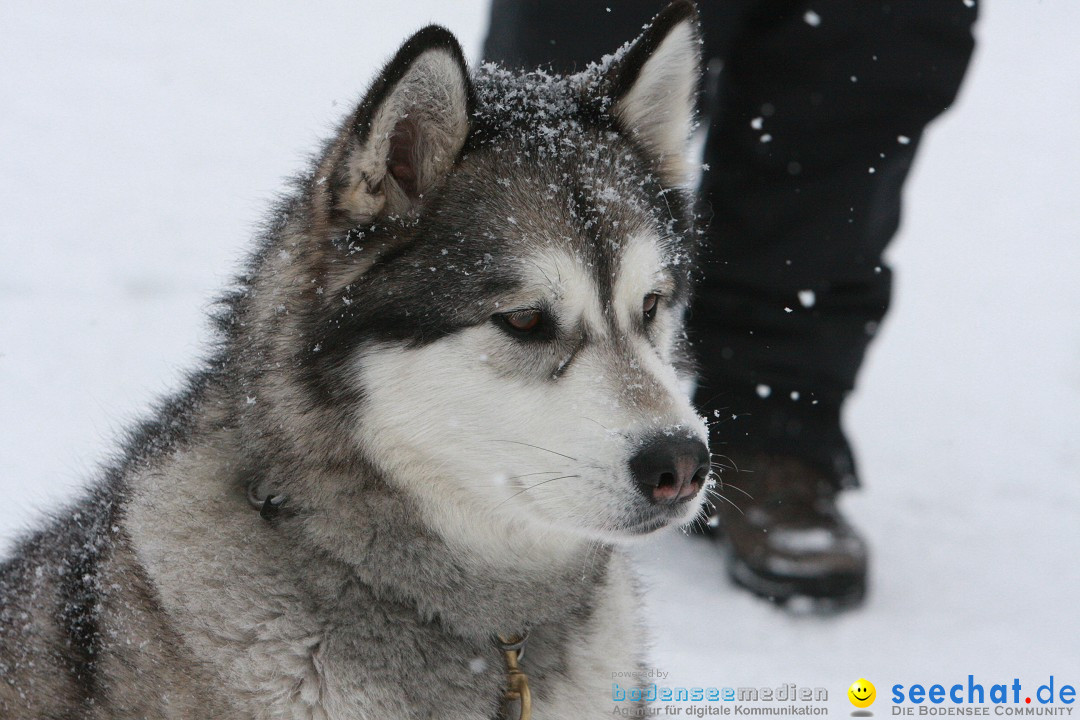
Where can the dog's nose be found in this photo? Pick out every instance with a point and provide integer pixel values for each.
(670, 470)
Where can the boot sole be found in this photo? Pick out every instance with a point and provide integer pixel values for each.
(831, 593)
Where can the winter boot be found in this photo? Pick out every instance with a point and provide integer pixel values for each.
(785, 537)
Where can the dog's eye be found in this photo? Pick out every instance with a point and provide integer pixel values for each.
(525, 320)
(649, 304)
(522, 322)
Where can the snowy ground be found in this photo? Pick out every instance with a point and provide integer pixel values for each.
(140, 143)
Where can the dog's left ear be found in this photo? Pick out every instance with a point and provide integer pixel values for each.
(405, 135)
(655, 87)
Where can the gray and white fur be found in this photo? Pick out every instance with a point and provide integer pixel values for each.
(430, 474)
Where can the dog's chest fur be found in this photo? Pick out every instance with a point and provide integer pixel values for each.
(294, 635)
(397, 667)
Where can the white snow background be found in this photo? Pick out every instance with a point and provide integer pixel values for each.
(141, 142)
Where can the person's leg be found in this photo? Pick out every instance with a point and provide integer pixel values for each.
(820, 109)
(820, 112)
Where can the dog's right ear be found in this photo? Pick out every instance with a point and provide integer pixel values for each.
(654, 84)
(404, 136)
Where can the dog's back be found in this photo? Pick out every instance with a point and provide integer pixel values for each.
(49, 621)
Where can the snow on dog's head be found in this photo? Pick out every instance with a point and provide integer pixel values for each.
(502, 291)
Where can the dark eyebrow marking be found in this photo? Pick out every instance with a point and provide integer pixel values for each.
(601, 252)
(559, 371)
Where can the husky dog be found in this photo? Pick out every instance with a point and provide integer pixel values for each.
(448, 387)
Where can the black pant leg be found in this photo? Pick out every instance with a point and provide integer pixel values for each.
(820, 110)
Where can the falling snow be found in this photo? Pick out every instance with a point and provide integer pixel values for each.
(931, 426)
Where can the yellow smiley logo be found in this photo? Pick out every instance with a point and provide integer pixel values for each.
(862, 693)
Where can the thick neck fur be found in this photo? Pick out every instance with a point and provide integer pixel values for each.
(381, 534)
(344, 528)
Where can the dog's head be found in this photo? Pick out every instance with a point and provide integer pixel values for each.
(493, 276)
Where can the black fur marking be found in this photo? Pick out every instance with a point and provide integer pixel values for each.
(398, 300)
(77, 617)
(79, 595)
